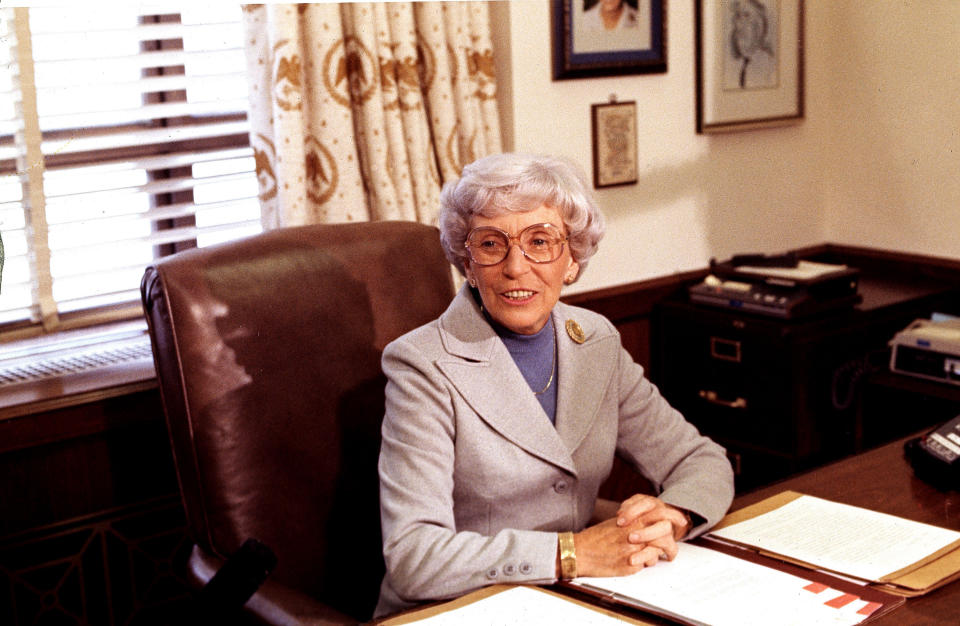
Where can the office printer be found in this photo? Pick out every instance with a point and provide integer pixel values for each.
(778, 285)
(928, 349)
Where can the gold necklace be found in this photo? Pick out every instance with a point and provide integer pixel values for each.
(553, 368)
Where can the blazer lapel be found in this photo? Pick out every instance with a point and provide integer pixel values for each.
(584, 373)
(482, 370)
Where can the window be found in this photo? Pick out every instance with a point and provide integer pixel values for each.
(123, 138)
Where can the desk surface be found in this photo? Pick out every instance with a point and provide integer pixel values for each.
(882, 480)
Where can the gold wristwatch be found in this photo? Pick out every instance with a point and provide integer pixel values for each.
(568, 556)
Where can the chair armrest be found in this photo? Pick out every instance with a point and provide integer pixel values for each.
(274, 603)
(277, 604)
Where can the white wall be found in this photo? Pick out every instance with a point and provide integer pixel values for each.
(874, 163)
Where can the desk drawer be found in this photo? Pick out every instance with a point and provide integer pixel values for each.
(754, 413)
(726, 398)
(756, 382)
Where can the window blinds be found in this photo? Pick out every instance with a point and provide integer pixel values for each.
(125, 138)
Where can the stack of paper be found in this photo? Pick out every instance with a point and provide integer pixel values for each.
(899, 555)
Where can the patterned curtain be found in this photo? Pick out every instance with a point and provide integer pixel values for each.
(361, 111)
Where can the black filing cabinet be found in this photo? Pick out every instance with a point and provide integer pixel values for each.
(781, 395)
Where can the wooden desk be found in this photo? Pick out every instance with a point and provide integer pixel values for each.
(882, 480)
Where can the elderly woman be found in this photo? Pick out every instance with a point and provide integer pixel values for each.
(503, 416)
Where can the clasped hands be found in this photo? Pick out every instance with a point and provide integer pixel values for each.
(643, 530)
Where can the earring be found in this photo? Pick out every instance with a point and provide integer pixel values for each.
(472, 283)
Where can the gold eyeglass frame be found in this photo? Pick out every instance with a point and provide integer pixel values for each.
(515, 241)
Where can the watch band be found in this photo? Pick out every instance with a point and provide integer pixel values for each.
(568, 556)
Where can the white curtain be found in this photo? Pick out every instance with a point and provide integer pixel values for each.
(361, 111)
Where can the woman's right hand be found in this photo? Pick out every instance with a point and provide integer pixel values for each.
(605, 550)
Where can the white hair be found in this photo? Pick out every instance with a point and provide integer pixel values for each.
(516, 183)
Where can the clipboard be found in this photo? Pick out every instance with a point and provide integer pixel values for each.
(415, 615)
(931, 572)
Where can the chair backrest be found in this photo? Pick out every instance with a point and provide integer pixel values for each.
(268, 358)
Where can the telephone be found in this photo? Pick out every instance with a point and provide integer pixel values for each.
(935, 456)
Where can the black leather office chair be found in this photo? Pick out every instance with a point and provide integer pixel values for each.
(268, 356)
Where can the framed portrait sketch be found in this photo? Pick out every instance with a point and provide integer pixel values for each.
(749, 64)
(608, 37)
(614, 130)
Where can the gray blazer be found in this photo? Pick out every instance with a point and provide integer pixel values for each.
(475, 482)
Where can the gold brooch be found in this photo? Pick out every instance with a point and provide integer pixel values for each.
(575, 331)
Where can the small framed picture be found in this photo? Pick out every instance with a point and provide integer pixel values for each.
(608, 37)
(614, 130)
(749, 64)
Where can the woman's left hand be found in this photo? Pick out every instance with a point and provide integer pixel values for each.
(656, 523)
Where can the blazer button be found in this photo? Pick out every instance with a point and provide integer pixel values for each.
(560, 486)
(525, 568)
(492, 573)
(510, 569)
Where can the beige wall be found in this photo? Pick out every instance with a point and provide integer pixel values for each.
(895, 154)
(874, 163)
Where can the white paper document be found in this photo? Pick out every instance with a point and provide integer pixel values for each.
(841, 538)
(521, 606)
(712, 588)
(805, 270)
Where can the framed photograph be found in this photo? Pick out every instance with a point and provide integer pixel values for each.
(608, 37)
(614, 127)
(749, 64)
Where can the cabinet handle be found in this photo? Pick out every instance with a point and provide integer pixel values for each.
(725, 349)
(714, 397)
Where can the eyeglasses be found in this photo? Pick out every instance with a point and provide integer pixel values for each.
(540, 243)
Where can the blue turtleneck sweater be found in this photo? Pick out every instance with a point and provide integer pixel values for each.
(535, 356)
